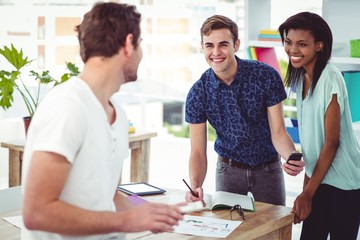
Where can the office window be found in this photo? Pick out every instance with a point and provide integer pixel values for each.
(172, 61)
(171, 43)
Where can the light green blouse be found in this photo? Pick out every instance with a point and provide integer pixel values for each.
(344, 172)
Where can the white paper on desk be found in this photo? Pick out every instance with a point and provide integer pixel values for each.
(176, 198)
(17, 221)
(206, 227)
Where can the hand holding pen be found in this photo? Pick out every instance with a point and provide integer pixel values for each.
(192, 191)
(193, 195)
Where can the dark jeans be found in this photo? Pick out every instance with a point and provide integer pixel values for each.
(266, 184)
(335, 212)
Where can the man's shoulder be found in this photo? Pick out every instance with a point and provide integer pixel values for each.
(204, 79)
(247, 63)
(255, 69)
(206, 75)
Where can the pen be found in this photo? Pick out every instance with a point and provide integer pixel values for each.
(192, 192)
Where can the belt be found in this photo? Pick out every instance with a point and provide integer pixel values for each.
(238, 164)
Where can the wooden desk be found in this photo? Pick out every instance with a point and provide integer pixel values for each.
(268, 222)
(139, 143)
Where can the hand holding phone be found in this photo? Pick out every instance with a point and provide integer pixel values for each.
(295, 156)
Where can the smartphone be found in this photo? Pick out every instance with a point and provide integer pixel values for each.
(294, 156)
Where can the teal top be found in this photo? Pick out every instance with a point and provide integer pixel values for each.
(344, 172)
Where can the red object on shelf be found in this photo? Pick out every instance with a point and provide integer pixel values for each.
(267, 55)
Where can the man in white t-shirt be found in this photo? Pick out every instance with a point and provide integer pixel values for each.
(78, 139)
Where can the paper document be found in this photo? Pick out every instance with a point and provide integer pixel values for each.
(17, 221)
(206, 227)
(221, 199)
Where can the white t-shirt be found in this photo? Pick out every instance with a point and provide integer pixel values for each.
(344, 172)
(70, 121)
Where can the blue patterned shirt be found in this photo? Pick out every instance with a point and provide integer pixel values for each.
(238, 112)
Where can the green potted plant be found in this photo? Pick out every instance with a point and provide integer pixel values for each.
(11, 80)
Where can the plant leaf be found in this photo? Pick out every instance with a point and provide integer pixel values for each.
(12, 80)
(44, 78)
(64, 77)
(7, 85)
(74, 70)
(15, 57)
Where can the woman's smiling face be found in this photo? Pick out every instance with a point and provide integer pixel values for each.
(301, 48)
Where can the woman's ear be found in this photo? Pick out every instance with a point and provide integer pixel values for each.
(319, 47)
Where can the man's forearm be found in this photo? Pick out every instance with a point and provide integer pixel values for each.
(62, 218)
(197, 170)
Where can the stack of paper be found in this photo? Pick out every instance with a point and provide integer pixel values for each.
(269, 35)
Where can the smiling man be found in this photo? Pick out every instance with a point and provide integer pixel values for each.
(242, 100)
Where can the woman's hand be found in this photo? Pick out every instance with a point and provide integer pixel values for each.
(302, 207)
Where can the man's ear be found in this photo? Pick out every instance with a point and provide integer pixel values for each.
(129, 47)
(237, 45)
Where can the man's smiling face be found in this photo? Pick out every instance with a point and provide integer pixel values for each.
(219, 49)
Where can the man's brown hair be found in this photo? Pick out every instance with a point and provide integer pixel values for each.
(219, 22)
(104, 29)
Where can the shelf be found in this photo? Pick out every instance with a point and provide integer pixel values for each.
(264, 44)
(345, 60)
(337, 14)
(336, 60)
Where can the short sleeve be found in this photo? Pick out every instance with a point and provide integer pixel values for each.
(195, 109)
(59, 128)
(334, 84)
(274, 88)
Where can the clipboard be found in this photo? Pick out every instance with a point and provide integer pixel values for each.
(140, 189)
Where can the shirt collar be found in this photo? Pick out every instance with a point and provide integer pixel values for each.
(216, 82)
